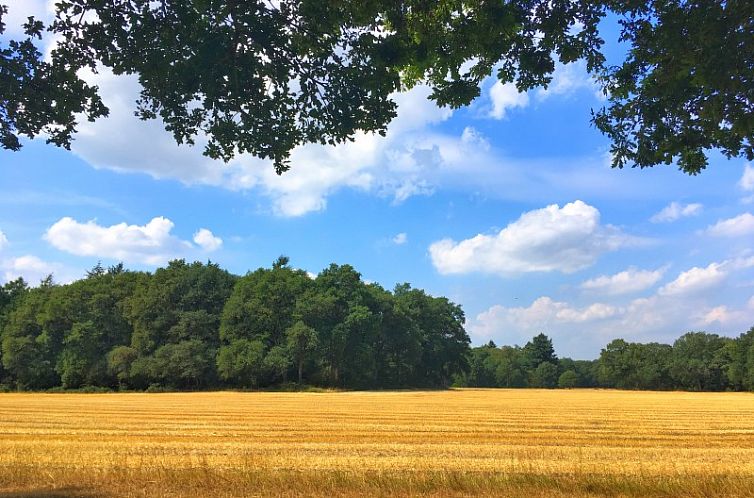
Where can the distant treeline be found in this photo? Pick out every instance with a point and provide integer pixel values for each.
(696, 361)
(196, 326)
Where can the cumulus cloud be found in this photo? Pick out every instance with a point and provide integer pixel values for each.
(686, 303)
(34, 269)
(152, 243)
(20, 10)
(675, 211)
(737, 226)
(392, 166)
(207, 240)
(746, 183)
(3, 241)
(542, 312)
(564, 239)
(724, 315)
(505, 96)
(400, 239)
(569, 78)
(625, 282)
(566, 80)
(696, 279)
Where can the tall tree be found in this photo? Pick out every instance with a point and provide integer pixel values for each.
(346, 327)
(740, 369)
(301, 341)
(698, 361)
(175, 316)
(444, 341)
(261, 309)
(539, 350)
(32, 337)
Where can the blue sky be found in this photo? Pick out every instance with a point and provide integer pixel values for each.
(508, 207)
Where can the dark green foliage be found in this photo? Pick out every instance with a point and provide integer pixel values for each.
(119, 361)
(240, 362)
(740, 369)
(568, 380)
(185, 364)
(195, 326)
(697, 361)
(509, 369)
(301, 341)
(10, 294)
(534, 365)
(261, 305)
(685, 86)
(635, 366)
(276, 364)
(264, 77)
(545, 375)
(40, 97)
(175, 316)
(539, 350)
(32, 337)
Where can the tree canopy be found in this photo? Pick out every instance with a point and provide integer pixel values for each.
(263, 77)
(696, 361)
(196, 326)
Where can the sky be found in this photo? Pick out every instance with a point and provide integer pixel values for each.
(508, 207)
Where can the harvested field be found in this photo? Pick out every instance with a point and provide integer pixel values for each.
(437, 443)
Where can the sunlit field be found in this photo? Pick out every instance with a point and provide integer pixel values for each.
(442, 443)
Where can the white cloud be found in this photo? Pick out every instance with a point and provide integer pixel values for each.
(746, 183)
(20, 10)
(392, 166)
(516, 325)
(414, 159)
(471, 136)
(569, 78)
(596, 311)
(207, 240)
(3, 240)
(690, 302)
(34, 269)
(400, 239)
(504, 97)
(152, 243)
(737, 226)
(625, 282)
(719, 314)
(696, 279)
(725, 315)
(675, 211)
(563, 239)
(566, 80)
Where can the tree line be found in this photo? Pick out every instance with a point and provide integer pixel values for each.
(696, 361)
(197, 326)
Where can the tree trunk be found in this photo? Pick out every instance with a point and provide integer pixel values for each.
(300, 370)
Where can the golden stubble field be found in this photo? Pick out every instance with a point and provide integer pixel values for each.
(473, 442)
